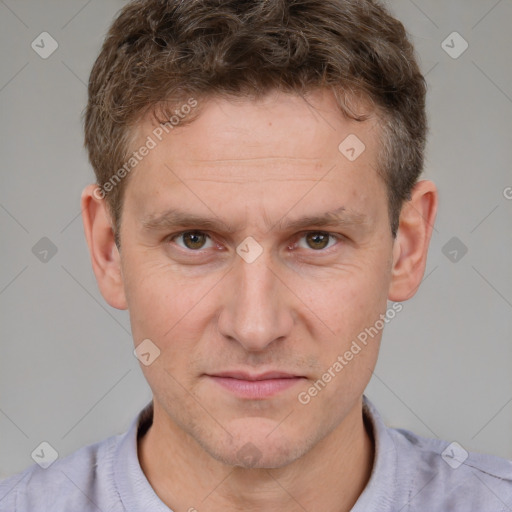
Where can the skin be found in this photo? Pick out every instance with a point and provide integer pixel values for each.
(254, 166)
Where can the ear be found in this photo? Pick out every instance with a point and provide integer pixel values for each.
(411, 243)
(105, 257)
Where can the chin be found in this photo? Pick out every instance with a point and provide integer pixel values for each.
(257, 446)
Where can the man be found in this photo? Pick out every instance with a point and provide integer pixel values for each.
(257, 205)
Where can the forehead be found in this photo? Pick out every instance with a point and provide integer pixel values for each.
(268, 149)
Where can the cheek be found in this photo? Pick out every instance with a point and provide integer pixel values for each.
(348, 351)
(151, 305)
(158, 297)
(347, 343)
(349, 302)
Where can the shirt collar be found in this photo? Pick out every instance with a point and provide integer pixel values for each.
(137, 494)
(132, 485)
(379, 495)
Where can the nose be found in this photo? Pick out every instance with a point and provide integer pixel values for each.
(258, 309)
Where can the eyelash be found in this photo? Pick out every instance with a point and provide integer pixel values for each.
(327, 250)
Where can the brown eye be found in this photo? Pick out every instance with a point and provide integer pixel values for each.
(317, 241)
(192, 240)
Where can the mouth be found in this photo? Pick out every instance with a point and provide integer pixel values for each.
(255, 386)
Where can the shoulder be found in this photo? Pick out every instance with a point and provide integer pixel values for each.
(444, 473)
(77, 482)
(413, 473)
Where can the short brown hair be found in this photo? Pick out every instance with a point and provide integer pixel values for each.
(157, 53)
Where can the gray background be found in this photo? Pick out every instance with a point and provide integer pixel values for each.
(67, 372)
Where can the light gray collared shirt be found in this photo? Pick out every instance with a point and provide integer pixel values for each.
(410, 474)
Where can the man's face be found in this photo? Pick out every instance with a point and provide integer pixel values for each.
(292, 299)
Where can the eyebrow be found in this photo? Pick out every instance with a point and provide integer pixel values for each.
(174, 218)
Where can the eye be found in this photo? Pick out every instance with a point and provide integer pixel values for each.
(192, 240)
(317, 240)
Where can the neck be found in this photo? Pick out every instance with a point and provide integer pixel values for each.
(329, 477)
